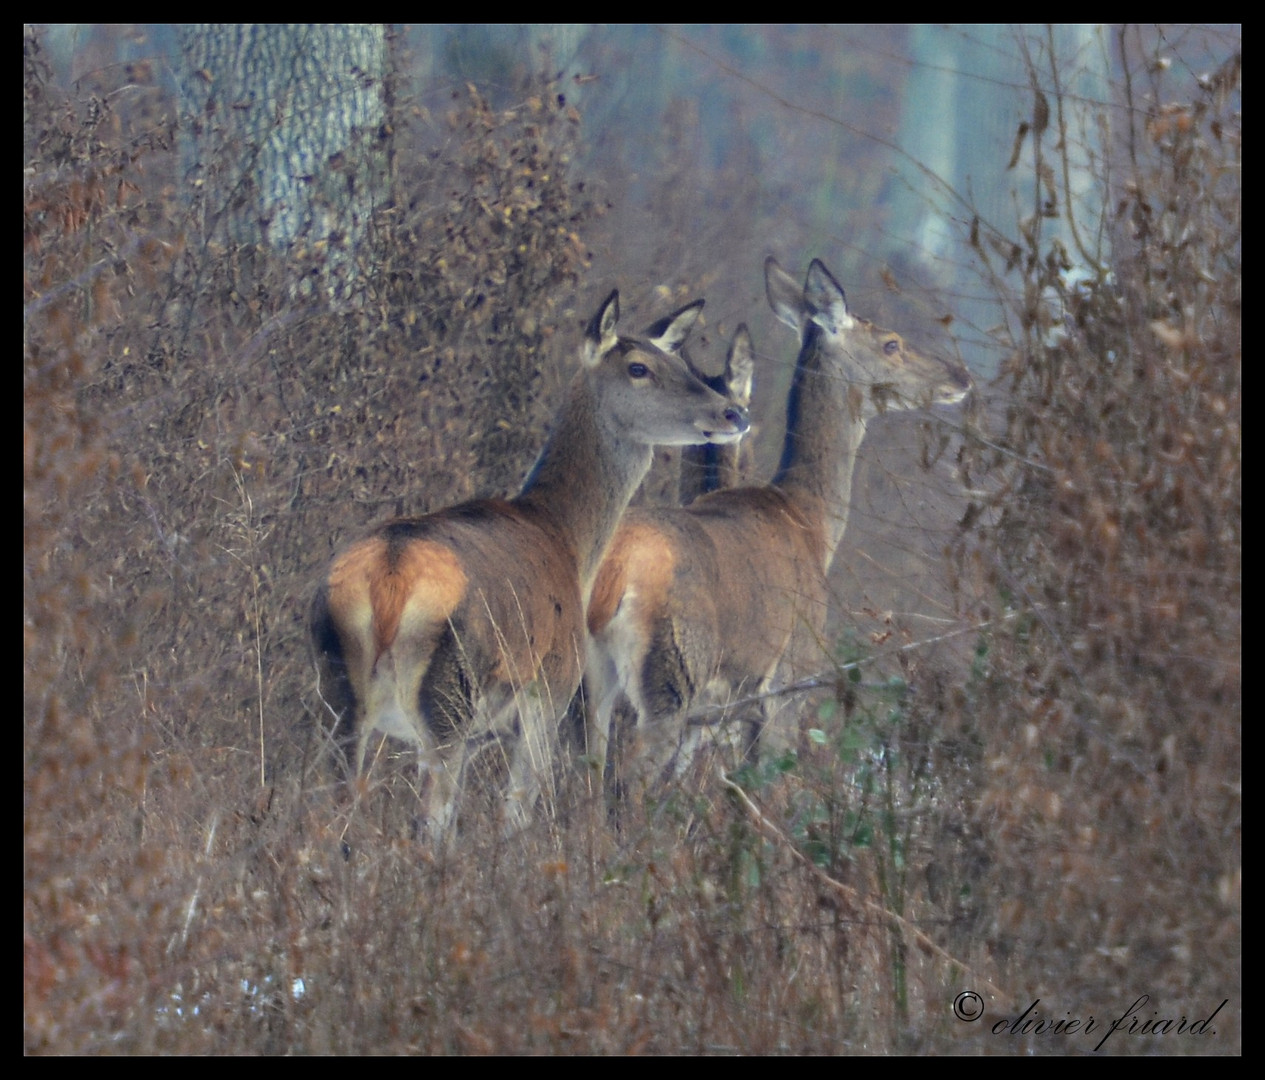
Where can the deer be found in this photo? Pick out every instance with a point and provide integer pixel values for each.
(709, 467)
(705, 600)
(466, 626)
(704, 468)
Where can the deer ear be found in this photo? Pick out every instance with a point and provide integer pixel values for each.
(670, 332)
(827, 306)
(740, 367)
(786, 298)
(600, 337)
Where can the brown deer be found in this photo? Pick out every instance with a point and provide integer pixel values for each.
(704, 468)
(706, 599)
(466, 627)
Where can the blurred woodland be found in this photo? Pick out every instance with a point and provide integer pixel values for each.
(282, 283)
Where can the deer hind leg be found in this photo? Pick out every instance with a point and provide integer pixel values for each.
(621, 756)
(445, 772)
(773, 729)
(719, 733)
(364, 738)
(676, 668)
(601, 700)
(517, 752)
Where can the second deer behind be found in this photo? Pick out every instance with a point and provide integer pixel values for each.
(701, 604)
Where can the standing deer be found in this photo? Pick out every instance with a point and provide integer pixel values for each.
(705, 468)
(466, 626)
(707, 598)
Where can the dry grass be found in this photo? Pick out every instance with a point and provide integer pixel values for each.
(1056, 818)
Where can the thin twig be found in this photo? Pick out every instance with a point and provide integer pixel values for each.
(705, 715)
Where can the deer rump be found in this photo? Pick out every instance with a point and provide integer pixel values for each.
(468, 611)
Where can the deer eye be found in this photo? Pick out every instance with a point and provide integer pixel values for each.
(638, 371)
(892, 346)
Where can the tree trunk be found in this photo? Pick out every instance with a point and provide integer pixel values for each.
(289, 126)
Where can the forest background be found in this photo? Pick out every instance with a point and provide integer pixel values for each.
(282, 282)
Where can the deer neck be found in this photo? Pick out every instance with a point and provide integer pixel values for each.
(709, 468)
(825, 425)
(585, 477)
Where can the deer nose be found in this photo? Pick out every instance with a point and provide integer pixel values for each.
(736, 417)
(958, 383)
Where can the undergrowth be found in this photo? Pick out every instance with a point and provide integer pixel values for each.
(1052, 812)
